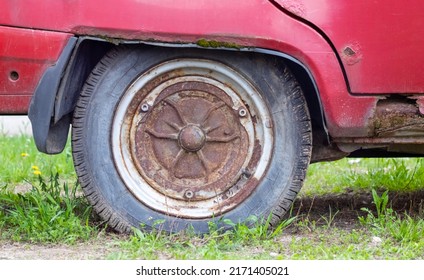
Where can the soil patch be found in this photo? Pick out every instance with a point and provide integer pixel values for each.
(348, 206)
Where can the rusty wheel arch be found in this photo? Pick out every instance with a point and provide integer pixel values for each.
(90, 50)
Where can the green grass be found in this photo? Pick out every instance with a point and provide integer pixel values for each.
(50, 210)
(386, 222)
(20, 159)
(356, 244)
(385, 235)
(38, 195)
(320, 243)
(402, 174)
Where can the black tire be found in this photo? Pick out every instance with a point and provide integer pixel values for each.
(103, 172)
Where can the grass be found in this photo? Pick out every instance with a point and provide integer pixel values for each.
(38, 195)
(388, 223)
(50, 210)
(400, 175)
(48, 213)
(385, 235)
(21, 163)
(319, 243)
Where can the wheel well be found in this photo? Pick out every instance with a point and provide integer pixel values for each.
(54, 100)
(87, 54)
(311, 94)
(322, 147)
(89, 51)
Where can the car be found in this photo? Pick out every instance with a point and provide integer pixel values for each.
(191, 112)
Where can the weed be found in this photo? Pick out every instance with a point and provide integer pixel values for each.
(384, 216)
(407, 230)
(49, 212)
(218, 244)
(388, 223)
(254, 228)
(329, 221)
(308, 224)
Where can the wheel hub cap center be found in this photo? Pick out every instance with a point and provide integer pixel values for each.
(191, 138)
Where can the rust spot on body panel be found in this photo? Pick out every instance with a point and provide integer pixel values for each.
(397, 118)
(351, 53)
(420, 103)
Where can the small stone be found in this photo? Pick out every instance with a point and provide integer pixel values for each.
(272, 254)
(376, 240)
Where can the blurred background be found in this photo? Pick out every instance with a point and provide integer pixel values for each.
(15, 125)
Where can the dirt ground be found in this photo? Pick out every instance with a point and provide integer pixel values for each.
(95, 250)
(347, 204)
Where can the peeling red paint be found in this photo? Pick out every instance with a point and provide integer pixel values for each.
(351, 53)
(296, 7)
(393, 121)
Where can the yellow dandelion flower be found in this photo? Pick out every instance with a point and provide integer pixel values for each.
(24, 154)
(35, 167)
(37, 172)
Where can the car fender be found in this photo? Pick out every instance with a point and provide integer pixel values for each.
(224, 24)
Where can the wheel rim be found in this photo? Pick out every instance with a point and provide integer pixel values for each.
(191, 138)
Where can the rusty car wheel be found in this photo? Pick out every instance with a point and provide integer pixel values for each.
(189, 137)
(184, 139)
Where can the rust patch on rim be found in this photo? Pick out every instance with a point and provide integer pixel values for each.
(190, 143)
(191, 140)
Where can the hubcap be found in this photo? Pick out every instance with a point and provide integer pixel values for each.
(191, 138)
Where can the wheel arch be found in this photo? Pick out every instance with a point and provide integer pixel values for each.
(86, 55)
(88, 51)
(53, 101)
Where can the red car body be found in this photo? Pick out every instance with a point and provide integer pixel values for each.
(361, 62)
(356, 52)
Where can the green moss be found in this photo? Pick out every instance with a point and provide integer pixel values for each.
(216, 44)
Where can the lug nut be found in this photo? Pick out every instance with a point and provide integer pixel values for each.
(188, 194)
(145, 107)
(242, 112)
